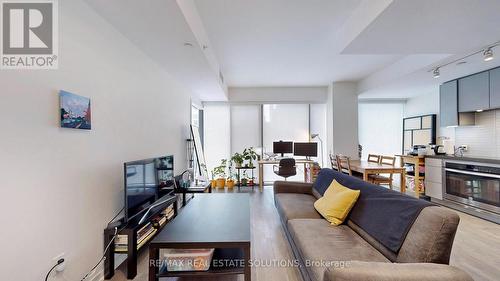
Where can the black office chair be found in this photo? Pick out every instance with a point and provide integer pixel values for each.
(286, 168)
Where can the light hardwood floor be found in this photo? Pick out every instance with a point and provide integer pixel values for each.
(476, 248)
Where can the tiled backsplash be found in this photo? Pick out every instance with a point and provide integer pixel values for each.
(482, 139)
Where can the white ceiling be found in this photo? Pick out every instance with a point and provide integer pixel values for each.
(387, 45)
(159, 28)
(283, 42)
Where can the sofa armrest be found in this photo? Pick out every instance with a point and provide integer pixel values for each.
(371, 271)
(292, 187)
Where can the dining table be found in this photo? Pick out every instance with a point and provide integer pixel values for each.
(371, 168)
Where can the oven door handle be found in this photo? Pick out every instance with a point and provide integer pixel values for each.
(473, 173)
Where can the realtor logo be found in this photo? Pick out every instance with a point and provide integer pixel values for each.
(29, 35)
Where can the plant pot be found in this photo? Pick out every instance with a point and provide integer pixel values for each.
(250, 183)
(213, 183)
(244, 182)
(238, 165)
(230, 184)
(221, 183)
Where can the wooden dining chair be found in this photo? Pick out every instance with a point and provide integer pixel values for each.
(373, 158)
(344, 164)
(333, 162)
(380, 179)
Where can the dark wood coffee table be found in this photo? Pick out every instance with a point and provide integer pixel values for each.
(220, 221)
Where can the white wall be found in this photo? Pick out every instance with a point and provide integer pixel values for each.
(428, 103)
(61, 186)
(278, 94)
(217, 130)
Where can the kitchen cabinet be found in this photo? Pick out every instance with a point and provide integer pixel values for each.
(474, 92)
(495, 88)
(434, 178)
(448, 104)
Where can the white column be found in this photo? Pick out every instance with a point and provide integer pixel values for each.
(342, 119)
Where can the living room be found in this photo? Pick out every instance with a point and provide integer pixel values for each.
(240, 140)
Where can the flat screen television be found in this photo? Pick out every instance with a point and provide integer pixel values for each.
(143, 180)
(308, 149)
(282, 147)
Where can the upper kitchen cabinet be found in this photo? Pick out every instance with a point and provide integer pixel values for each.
(448, 104)
(495, 88)
(474, 92)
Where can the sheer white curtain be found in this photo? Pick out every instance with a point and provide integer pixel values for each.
(287, 122)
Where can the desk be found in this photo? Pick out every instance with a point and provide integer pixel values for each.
(368, 168)
(276, 162)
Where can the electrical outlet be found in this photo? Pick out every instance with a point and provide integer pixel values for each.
(464, 147)
(61, 266)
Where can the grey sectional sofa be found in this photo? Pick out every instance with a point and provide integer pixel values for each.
(366, 246)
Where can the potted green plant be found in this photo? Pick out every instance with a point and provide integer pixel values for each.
(230, 178)
(213, 182)
(244, 179)
(250, 155)
(220, 173)
(238, 159)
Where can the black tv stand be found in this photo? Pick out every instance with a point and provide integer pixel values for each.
(129, 232)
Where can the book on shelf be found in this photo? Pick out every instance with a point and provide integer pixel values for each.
(140, 243)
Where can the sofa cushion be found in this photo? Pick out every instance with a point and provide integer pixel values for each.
(322, 245)
(335, 205)
(296, 206)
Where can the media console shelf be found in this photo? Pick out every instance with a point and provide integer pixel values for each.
(134, 237)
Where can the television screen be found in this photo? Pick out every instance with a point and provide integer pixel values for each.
(309, 149)
(143, 180)
(281, 147)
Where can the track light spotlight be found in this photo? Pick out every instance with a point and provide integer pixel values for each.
(436, 73)
(488, 54)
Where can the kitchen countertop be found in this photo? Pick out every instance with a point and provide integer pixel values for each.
(467, 159)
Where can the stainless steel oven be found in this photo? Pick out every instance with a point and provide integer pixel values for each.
(476, 185)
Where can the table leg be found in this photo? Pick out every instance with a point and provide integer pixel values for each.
(403, 181)
(109, 262)
(248, 271)
(154, 256)
(131, 254)
(417, 181)
(305, 172)
(253, 180)
(365, 176)
(261, 176)
(239, 180)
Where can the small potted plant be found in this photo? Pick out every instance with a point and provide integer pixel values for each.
(244, 179)
(230, 178)
(250, 155)
(220, 173)
(250, 181)
(238, 159)
(213, 182)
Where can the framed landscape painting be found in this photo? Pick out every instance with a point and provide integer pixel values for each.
(75, 111)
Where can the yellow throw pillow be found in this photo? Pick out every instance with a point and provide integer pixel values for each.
(336, 203)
